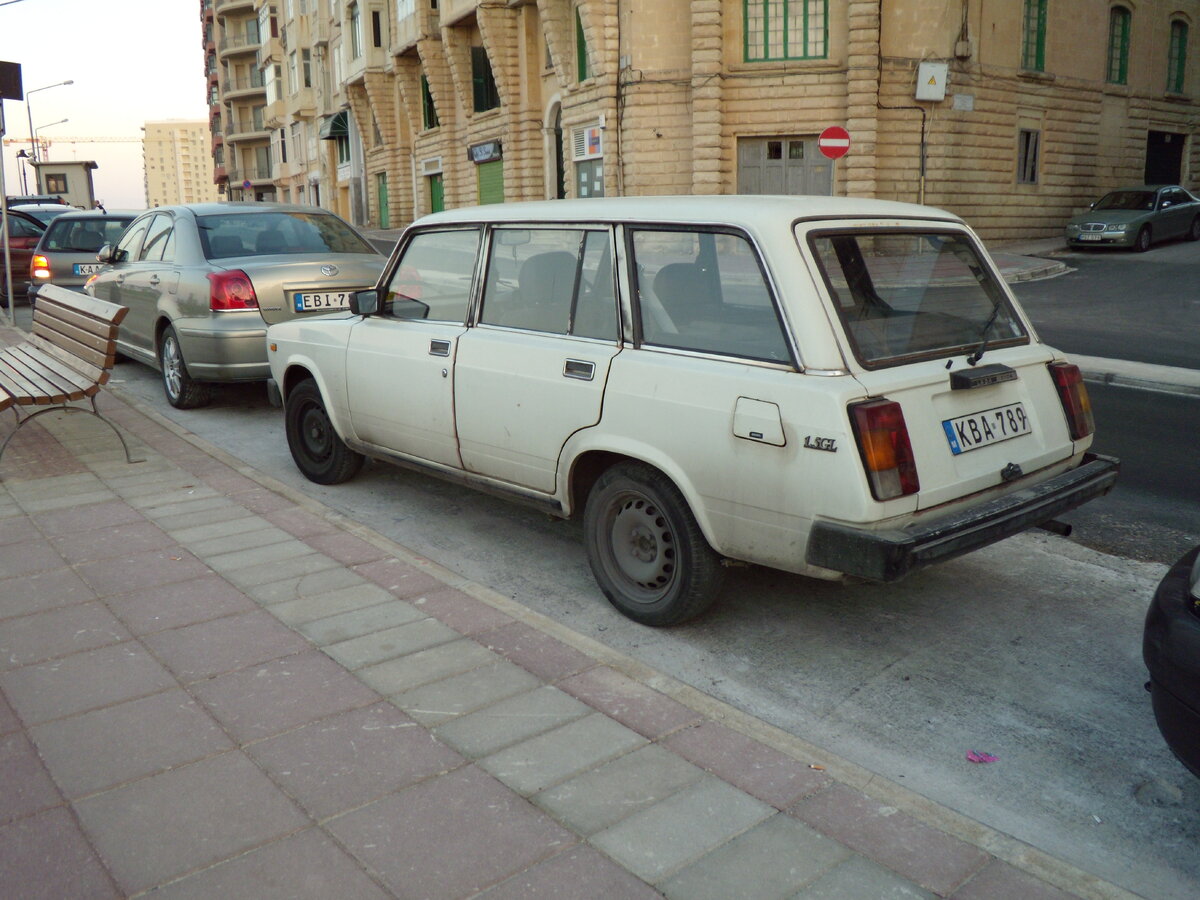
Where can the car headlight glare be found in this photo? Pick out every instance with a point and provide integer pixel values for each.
(1115, 227)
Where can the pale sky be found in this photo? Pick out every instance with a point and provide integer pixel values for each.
(132, 61)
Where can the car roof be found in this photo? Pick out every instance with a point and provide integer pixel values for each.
(750, 211)
(17, 214)
(26, 207)
(241, 207)
(100, 214)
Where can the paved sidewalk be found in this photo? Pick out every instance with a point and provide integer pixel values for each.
(211, 686)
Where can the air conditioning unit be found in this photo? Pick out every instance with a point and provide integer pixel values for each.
(431, 166)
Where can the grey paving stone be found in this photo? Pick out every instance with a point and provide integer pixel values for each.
(224, 645)
(263, 536)
(227, 528)
(347, 549)
(111, 540)
(450, 836)
(595, 800)
(579, 873)
(132, 571)
(58, 632)
(389, 643)
(24, 594)
(308, 864)
(84, 681)
(510, 721)
(660, 840)
(458, 695)
(25, 786)
(25, 846)
(358, 622)
(325, 602)
(287, 549)
(171, 496)
(198, 512)
(857, 878)
(60, 493)
(395, 676)
(304, 586)
(769, 862)
(300, 522)
(158, 828)
(547, 759)
(146, 483)
(352, 758)
(88, 517)
(106, 747)
(285, 570)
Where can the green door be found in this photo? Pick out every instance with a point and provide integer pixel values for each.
(491, 181)
(381, 192)
(437, 193)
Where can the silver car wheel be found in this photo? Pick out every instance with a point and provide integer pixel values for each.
(172, 362)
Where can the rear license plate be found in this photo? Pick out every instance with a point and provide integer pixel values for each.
(311, 302)
(1089, 237)
(991, 426)
(86, 268)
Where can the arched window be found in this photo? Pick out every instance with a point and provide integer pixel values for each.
(1118, 45)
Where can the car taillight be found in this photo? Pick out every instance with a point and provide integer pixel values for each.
(1075, 401)
(39, 267)
(886, 452)
(230, 290)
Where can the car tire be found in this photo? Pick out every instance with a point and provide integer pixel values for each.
(646, 549)
(1141, 243)
(318, 450)
(1194, 231)
(182, 392)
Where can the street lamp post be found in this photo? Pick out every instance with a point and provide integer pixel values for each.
(37, 171)
(29, 112)
(23, 155)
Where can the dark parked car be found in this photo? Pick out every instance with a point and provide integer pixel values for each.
(1136, 217)
(66, 254)
(45, 212)
(1171, 650)
(23, 234)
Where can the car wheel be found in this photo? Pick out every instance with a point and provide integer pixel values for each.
(182, 392)
(1142, 242)
(319, 452)
(1194, 232)
(646, 549)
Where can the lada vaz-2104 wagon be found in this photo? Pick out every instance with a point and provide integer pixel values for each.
(833, 387)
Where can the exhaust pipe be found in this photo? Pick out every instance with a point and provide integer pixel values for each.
(1055, 527)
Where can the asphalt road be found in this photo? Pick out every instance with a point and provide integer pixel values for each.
(1029, 650)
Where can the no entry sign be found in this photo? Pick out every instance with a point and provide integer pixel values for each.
(834, 141)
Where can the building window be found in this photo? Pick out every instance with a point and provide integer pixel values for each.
(376, 28)
(1028, 146)
(486, 95)
(1118, 45)
(581, 59)
(343, 149)
(293, 72)
(1177, 57)
(356, 48)
(786, 29)
(1033, 36)
(429, 116)
(56, 184)
(306, 67)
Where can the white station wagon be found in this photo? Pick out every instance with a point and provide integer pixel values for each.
(828, 386)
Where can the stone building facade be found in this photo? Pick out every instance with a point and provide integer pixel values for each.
(1012, 114)
(178, 163)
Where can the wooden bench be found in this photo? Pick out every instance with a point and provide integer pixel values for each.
(69, 355)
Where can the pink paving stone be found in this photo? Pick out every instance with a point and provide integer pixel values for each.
(300, 522)
(227, 481)
(58, 632)
(400, 578)
(150, 568)
(16, 529)
(1000, 881)
(347, 549)
(28, 557)
(25, 785)
(579, 873)
(450, 836)
(35, 453)
(631, 703)
(893, 839)
(182, 603)
(46, 857)
(43, 590)
(265, 700)
(544, 656)
(111, 540)
(261, 500)
(745, 763)
(460, 611)
(88, 518)
(8, 718)
(224, 645)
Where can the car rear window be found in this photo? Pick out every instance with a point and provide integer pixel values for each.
(269, 233)
(83, 235)
(903, 295)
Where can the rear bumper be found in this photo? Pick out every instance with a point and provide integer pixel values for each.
(890, 555)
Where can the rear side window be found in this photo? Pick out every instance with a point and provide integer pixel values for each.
(160, 240)
(705, 291)
(555, 280)
(433, 279)
(904, 295)
(132, 239)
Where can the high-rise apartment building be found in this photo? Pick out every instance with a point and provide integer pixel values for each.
(178, 163)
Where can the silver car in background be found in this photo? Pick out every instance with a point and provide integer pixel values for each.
(66, 254)
(203, 282)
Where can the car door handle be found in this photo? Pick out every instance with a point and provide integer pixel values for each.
(154, 279)
(579, 368)
(439, 348)
(120, 279)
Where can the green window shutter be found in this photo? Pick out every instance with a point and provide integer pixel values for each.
(491, 181)
(429, 116)
(581, 59)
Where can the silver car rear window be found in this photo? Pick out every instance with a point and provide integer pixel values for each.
(269, 233)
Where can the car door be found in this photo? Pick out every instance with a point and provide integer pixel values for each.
(400, 361)
(1177, 212)
(146, 279)
(109, 285)
(533, 370)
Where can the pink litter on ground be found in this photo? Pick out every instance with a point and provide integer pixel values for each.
(976, 757)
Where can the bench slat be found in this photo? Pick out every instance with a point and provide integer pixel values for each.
(99, 309)
(68, 336)
(6, 399)
(74, 348)
(36, 357)
(25, 391)
(95, 372)
(68, 381)
(54, 312)
(47, 387)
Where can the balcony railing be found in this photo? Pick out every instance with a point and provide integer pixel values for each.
(252, 83)
(249, 173)
(238, 42)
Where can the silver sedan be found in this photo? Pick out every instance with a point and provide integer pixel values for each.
(203, 282)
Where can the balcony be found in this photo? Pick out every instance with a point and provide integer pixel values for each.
(253, 174)
(246, 130)
(228, 6)
(234, 44)
(238, 87)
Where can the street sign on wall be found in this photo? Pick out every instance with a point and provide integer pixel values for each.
(834, 142)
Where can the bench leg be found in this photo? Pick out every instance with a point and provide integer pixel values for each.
(91, 412)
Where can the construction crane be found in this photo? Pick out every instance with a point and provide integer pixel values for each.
(106, 139)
